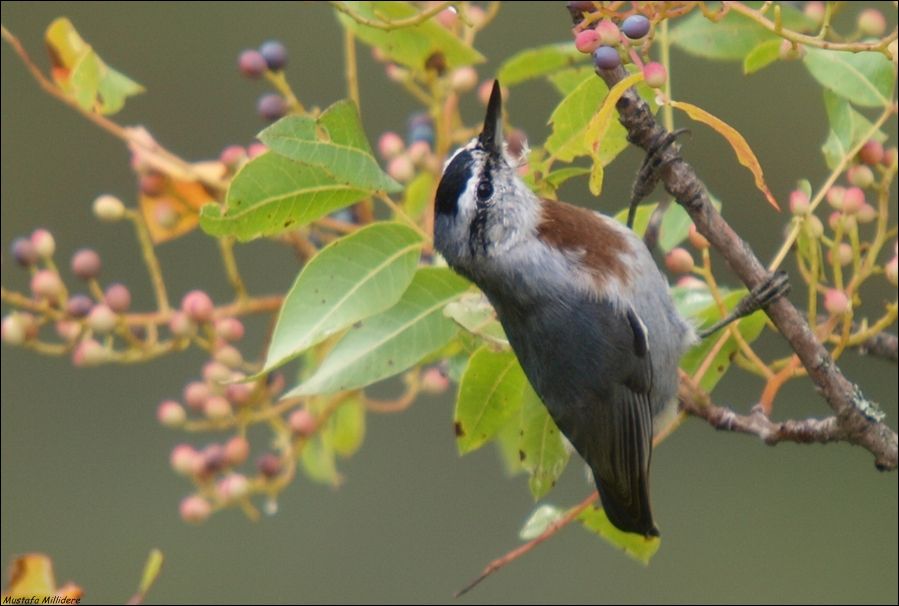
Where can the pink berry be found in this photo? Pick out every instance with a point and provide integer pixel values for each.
(860, 176)
(68, 330)
(181, 325)
(836, 302)
(233, 486)
(171, 414)
(44, 243)
(866, 214)
(229, 329)
(463, 79)
(853, 200)
(256, 149)
(401, 168)
(679, 261)
(697, 240)
(654, 75)
(89, 353)
(233, 156)
(217, 407)
(842, 256)
(118, 297)
(86, 264)
(390, 145)
(216, 373)
(78, 306)
(871, 22)
(889, 157)
(835, 197)
(229, 356)
(419, 152)
(691, 282)
(194, 509)
(165, 213)
(891, 271)
(608, 32)
(448, 18)
(302, 422)
(239, 393)
(45, 284)
(153, 184)
(799, 202)
(434, 381)
(195, 394)
(252, 64)
(871, 152)
(237, 449)
(102, 320)
(790, 51)
(587, 41)
(185, 460)
(198, 306)
(815, 11)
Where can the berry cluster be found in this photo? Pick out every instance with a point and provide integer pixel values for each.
(268, 60)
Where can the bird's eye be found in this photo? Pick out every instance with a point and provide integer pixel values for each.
(485, 190)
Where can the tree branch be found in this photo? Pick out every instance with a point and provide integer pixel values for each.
(859, 418)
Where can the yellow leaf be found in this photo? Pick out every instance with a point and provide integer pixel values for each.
(31, 575)
(175, 211)
(737, 142)
(599, 126)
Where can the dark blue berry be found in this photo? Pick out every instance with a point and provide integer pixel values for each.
(275, 54)
(635, 27)
(271, 107)
(606, 57)
(252, 64)
(78, 306)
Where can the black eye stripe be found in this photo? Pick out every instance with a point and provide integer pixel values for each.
(455, 179)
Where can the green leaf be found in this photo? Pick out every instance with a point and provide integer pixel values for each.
(335, 143)
(863, 78)
(490, 394)
(570, 120)
(506, 441)
(271, 194)
(541, 450)
(391, 342)
(699, 306)
(83, 74)
(567, 80)
(346, 427)
(352, 278)
(541, 61)
(540, 520)
(636, 546)
(675, 223)
(731, 38)
(419, 194)
(558, 177)
(761, 56)
(411, 46)
(847, 127)
(474, 313)
(318, 460)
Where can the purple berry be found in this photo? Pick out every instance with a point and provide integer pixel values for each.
(275, 54)
(118, 297)
(78, 306)
(269, 465)
(153, 184)
(86, 264)
(24, 252)
(252, 64)
(635, 27)
(606, 57)
(271, 107)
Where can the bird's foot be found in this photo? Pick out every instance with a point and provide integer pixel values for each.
(649, 173)
(774, 287)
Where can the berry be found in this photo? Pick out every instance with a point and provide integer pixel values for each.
(198, 306)
(390, 145)
(153, 184)
(271, 107)
(194, 509)
(251, 64)
(609, 34)
(171, 413)
(448, 18)
(843, 255)
(233, 486)
(89, 353)
(78, 306)
(799, 202)
(269, 465)
(44, 243)
(871, 22)
(871, 152)
(118, 297)
(68, 330)
(835, 197)
(14, 331)
(655, 75)
(23, 252)
(401, 168)
(256, 148)
(434, 381)
(635, 27)
(586, 41)
(216, 373)
(165, 213)
(698, 241)
(302, 422)
(195, 394)
(606, 57)
(577, 8)
(815, 227)
(213, 457)
(102, 319)
(86, 264)
(891, 271)
(239, 393)
(181, 325)
(185, 460)
(108, 208)
(679, 261)
(691, 282)
(229, 356)
(464, 79)
(217, 407)
(889, 157)
(419, 152)
(233, 156)
(45, 284)
(866, 213)
(815, 11)
(237, 449)
(860, 176)
(274, 53)
(836, 302)
(229, 329)
(853, 200)
(790, 51)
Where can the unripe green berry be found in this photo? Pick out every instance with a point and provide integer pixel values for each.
(13, 330)
(109, 208)
(102, 320)
(860, 176)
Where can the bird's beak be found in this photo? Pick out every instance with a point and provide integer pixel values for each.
(491, 138)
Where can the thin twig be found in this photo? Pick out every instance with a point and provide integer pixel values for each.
(389, 25)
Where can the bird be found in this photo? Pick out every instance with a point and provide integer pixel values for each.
(583, 305)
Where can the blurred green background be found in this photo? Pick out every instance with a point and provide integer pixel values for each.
(85, 474)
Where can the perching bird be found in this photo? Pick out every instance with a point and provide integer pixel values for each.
(583, 305)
